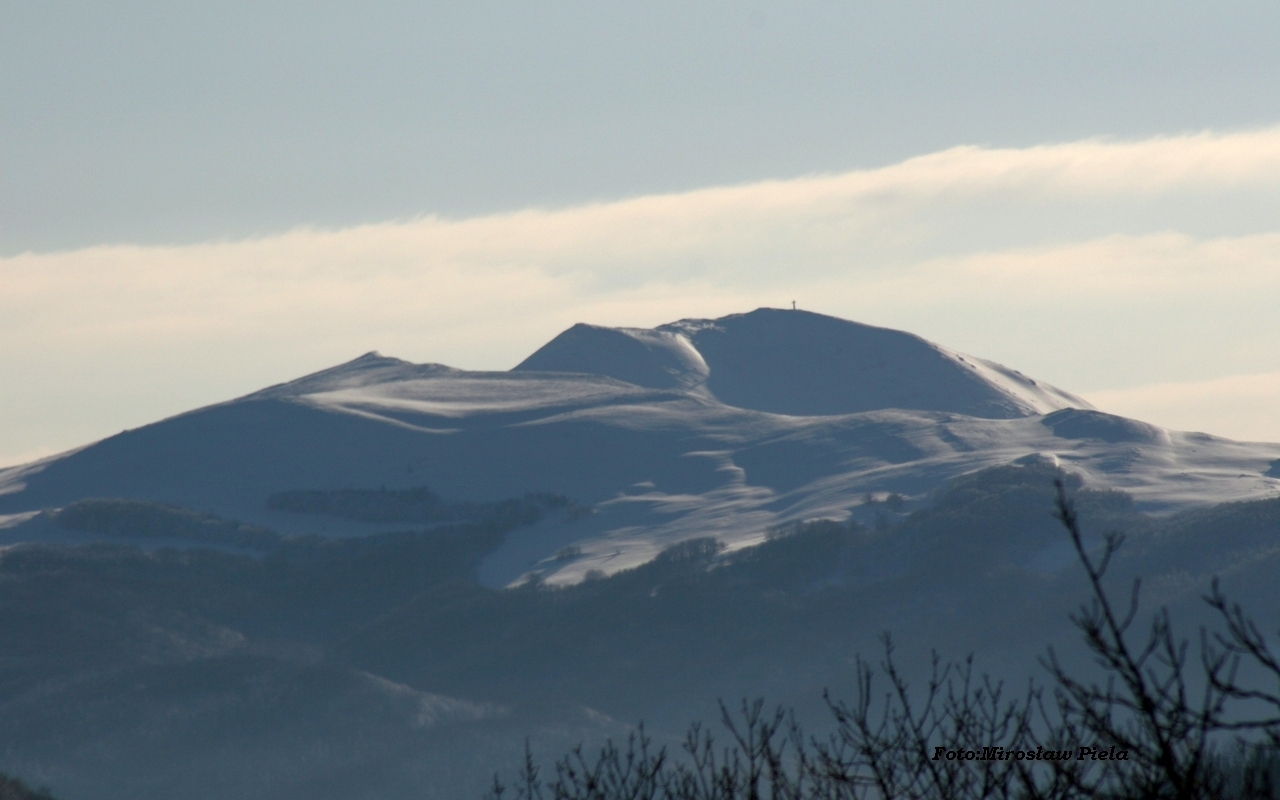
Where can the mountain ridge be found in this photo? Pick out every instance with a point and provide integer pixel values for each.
(706, 438)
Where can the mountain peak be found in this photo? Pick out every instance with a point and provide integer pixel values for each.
(370, 368)
(800, 363)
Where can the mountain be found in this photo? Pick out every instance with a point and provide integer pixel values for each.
(383, 579)
(800, 364)
(728, 427)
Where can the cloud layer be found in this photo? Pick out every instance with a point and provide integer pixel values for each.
(1097, 265)
(1238, 407)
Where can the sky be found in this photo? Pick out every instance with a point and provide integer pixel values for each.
(199, 201)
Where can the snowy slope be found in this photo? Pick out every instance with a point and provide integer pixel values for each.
(703, 427)
(800, 363)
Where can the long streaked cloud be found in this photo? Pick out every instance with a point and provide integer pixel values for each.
(1160, 264)
(1097, 223)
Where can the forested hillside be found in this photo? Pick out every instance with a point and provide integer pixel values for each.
(264, 665)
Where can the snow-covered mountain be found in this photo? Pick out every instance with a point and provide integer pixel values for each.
(800, 364)
(723, 427)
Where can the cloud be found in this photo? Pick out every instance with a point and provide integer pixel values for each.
(1115, 267)
(1237, 407)
(945, 244)
(1205, 160)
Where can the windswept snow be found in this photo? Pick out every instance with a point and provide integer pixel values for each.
(801, 364)
(654, 358)
(720, 428)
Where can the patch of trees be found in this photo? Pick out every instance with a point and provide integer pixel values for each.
(1155, 722)
(139, 519)
(416, 504)
(16, 789)
(151, 521)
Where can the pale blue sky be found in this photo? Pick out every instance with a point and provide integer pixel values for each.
(176, 122)
(1094, 238)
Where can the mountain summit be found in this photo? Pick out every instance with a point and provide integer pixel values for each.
(801, 364)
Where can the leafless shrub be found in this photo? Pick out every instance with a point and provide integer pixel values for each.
(1169, 725)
